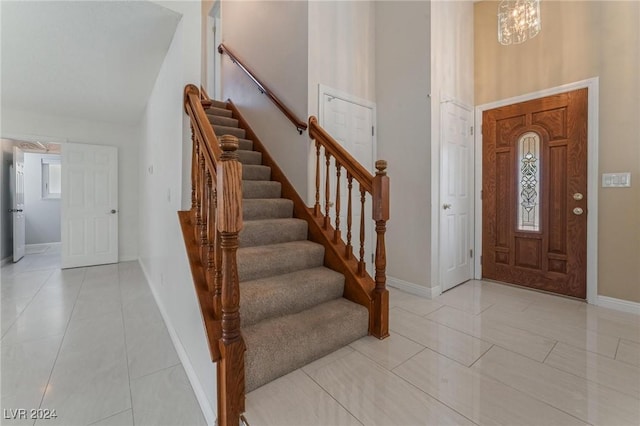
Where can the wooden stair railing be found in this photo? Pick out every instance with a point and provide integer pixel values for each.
(301, 126)
(358, 281)
(210, 231)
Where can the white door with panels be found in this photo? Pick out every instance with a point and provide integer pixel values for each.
(16, 177)
(351, 124)
(89, 205)
(456, 189)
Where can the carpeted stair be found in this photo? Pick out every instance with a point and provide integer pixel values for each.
(291, 306)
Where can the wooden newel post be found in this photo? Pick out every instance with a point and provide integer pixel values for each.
(229, 222)
(380, 216)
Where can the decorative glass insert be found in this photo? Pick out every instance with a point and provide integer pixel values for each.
(529, 182)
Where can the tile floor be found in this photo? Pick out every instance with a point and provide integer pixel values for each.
(91, 344)
(482, 353)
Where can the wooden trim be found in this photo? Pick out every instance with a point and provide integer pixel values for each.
(212, 327)
(300, 125)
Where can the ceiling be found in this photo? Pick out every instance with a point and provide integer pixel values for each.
(95, 60)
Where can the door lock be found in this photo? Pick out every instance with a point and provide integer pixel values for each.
(578, 196)
(446, 206)
(578, 211)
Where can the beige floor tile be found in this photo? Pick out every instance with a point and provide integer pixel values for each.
(390, 352)
(294, 400)
(375, 396)
(493, 331)
(451, 343)
(596, 368)
(483, 400)
(467, 299)
(584, 399)
(328, 359)
(412, 303)
(165, 398)
(124, 418)
(629, 352)
(578, 337)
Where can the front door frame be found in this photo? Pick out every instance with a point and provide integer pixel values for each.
(592, 84)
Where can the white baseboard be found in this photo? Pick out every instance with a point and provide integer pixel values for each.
(618, 304)
(418, 290)
(44, 245)
(129, 259)
(201, 396)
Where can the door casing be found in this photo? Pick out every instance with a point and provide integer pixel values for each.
(592, 85)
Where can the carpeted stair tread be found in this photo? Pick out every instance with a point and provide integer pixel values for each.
(245, 144)
(218, 104)
(266, 208)
(261, 189)
(218, 120)
(280, 345)
(223, 112)
(226, 130)
(288, 294)
(277, 259)
(249, 157)
(256, 172)
(272, 231)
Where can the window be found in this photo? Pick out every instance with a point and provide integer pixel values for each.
(51, 178)
(529, 182)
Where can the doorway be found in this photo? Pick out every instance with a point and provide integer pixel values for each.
(535, 230)
(214, 63)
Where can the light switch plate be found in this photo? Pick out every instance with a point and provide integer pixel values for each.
(616, 180)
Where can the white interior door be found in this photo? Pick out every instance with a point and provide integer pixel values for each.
(456, 183)
(17, 203)
(350, 124)
(89, 205)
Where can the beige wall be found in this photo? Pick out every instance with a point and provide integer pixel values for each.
(580, 40)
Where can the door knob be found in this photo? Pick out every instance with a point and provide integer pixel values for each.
(578, 211)
(114, 211)
(446, 206)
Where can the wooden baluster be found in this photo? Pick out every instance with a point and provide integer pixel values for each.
(195, 166)
(204, 206)
(327, 192)
(217, 282)
(349, 250)
(361, 263)
(211, 234)
(194, 151)
(316, 207)
(229, 222)
(380, 215)
(336, 234)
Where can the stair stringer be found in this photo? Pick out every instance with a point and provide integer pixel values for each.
(358, 289)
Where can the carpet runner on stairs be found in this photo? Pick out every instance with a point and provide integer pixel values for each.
(291, 306)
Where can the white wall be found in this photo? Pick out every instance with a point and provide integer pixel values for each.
(165, 188)
(341, 49)
(42, 215)
(452, 76)
(30, 126)
(402, 40)
(272, 38)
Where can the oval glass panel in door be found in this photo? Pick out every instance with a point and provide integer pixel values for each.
(529, 182)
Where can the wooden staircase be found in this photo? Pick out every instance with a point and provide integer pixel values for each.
(278, 285)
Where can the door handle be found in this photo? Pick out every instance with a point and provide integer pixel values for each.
(15, 210)
(113, 211)
(578, 211)
(446, 206)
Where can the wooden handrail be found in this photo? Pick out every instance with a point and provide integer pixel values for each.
(211, 230)
(378, 188)
(301, 126)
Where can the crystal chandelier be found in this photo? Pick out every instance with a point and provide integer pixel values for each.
(518, 21)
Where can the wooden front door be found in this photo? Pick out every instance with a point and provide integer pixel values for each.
(534, 193)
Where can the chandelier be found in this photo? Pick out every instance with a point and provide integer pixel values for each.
(518, 21)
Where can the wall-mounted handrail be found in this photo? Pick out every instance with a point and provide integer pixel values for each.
(301, 126)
